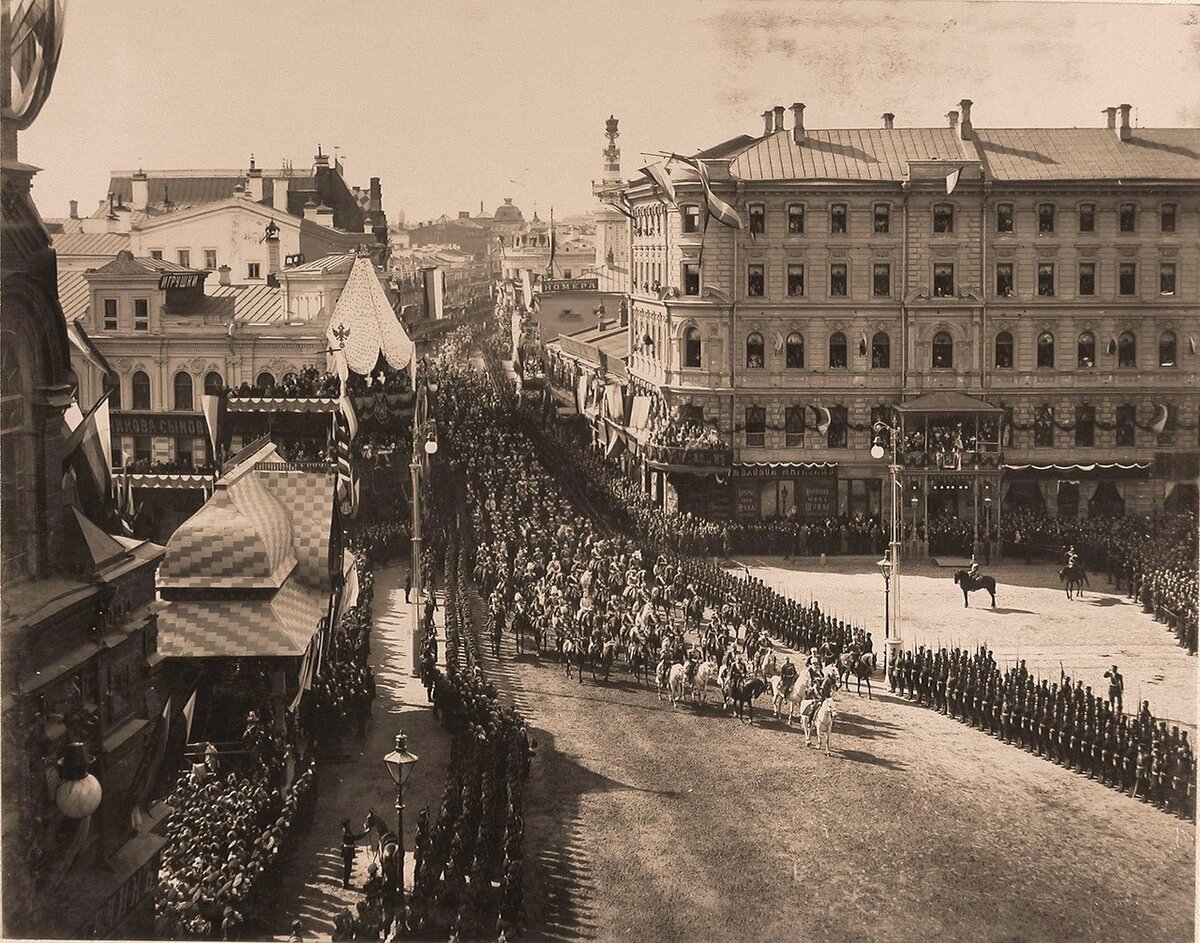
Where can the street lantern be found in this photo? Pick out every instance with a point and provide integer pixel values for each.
(431, 446)
(400, 765)
(79, 793)
(876, 450)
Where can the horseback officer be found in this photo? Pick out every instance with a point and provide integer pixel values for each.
(973, 569)
(787, 677)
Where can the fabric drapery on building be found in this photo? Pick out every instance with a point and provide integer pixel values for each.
(364, 325)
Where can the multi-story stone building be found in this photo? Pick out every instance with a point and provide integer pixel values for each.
(1028, 298)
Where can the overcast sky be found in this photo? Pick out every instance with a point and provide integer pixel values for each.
(453, 103)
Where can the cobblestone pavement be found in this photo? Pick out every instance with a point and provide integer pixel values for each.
(1032, 620)
(352, 777)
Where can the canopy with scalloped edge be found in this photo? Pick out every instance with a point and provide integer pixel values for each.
(364, 324)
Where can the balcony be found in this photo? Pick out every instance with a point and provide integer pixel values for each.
(967, 460)
(690, 458)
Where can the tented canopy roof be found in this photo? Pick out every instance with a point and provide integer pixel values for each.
(947, 401)
(364, 324)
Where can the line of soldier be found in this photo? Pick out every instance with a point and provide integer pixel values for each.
(1066, 724)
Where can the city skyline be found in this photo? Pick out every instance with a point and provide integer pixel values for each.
(482, 144)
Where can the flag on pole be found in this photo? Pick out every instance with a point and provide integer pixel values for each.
(189, 712)
(1159, 421)
(952, 180)
(622, 205)
(725, 214)
(90, 460)
(661, 175)
(550, 264)
(74, 415)
(213, 406)
(347, 493)
(823, 418)
(346, 405)
(306, 672)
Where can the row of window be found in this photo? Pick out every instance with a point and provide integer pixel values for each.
(143, 451)
(1124, 347)
(141, 314)
(1127, 281)
(184, 257)
(942, 218)
(1084, 431)
(182, 388)
(942, 350)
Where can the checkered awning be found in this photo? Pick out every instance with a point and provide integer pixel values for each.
(228, 628)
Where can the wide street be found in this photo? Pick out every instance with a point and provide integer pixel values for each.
(652, 823)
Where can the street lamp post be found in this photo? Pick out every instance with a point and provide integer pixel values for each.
(400, 765)
(422, 441)
(889, 566)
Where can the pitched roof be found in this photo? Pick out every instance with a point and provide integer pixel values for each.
(329, 264)
(855, 154)
(87, 243)
(63, 224)
(126, 264)
(947, 401)
(252, 304)
(74, 294)
(1090, 153)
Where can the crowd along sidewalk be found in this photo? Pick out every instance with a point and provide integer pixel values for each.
(351, 777)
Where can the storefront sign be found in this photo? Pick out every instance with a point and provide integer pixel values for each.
(137, 888)
(816, 498)
(181, 280)
(783, 470)
(570, 284)
(167, 424)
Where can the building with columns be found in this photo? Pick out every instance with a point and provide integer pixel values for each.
(1023, 301)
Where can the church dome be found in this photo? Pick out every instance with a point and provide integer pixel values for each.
(508, 213)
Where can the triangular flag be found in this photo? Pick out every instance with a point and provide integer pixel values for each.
(86, 455)
(717, 207)
(189, 711)
(952, 180)
(74, 415)
(660, 174)
(210, 405)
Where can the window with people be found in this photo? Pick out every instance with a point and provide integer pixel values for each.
(943, 350)
(794, 351)
(1086, 350)
(691, 347)
(838, 357)
(755, 353)
(1004, 350)
(1045, 350)
(881, 351)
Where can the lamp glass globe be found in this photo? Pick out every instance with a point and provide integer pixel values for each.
(877, 451)
(79, 798)
(431, 446)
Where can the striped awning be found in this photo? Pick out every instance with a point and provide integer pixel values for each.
(279, 626)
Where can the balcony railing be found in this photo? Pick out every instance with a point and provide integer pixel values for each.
(693, 456)
(967, 460)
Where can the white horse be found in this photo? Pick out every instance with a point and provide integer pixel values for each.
(801, 691)
(823, 722)
(676, 678)
(706, 673)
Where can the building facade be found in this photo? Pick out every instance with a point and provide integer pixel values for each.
(1049, 276)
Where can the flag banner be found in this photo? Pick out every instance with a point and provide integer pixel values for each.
(725, 214)
(213, 407)
(435, 290)
(527, 288)
(550, 264)
(341, 366)
(91, 462)
(189, 713)
(952, 180)
(347, 407)
(660, 174)
(74, 415)
(823, 418)
(1159, 420)
(623, 206)
(306, 673)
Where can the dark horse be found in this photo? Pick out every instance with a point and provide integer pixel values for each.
(970, 584)
(1075, 577)
(742, 694)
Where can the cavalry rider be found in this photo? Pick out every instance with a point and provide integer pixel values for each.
(692, 663)
(1072, 558)
(814, 665)
(973, 569)
(787, 677)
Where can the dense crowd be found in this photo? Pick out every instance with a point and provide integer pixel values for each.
(231, 818)
(1086, 732)
(174, 467)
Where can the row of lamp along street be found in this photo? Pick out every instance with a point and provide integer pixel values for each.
(889, 566)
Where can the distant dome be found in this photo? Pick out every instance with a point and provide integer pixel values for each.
(508, 213)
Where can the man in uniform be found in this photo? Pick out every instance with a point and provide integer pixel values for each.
(787, 677)
(349, 849)
(1116, 688)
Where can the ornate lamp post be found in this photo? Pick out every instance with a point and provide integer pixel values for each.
(400, 765)
(79, 793)
(887, 567)
(889, 435)
(424, 440)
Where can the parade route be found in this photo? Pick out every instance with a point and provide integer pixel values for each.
(1033, 620)
(351, 776)
(649, 822)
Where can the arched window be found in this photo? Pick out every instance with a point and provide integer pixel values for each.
(837, 351)
(754, 350)
(140, 386)
(943, 350)
(881, 351)
(1126, 350)
(1004, 350)
(265, 381)
(1087, 349)
(1045, 349)
(213, 383)
(183, 391)
(691, 347)
(112, 386)
(1166, 349)
(795, 351)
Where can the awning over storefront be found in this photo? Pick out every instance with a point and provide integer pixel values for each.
(282, 404)
(1094, 470)
(153, 480)
(230, 628)
(947, 401)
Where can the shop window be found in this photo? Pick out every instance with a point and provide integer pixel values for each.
(754, 351)
(1004, 350)
(794, 351)
(838, 358)
(1086, 350)
(881, 351)
(943, 350)
(142, 448)
(183, 452)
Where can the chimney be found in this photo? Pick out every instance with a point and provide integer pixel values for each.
(324, 215)
(768, 122)
(321, 160)
(888, 120)
(778, 117)
(256, 181)
(310, 210)
(141, 191)
(464, 214)
(74, 209)
(798, 122)
(952, 117)
(280, 194)
(375, 201)
(1126, 131)
(273, 263)
(966, 128)
(1111, 112)
(223, 274)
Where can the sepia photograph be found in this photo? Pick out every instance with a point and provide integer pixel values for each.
(666, 471)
